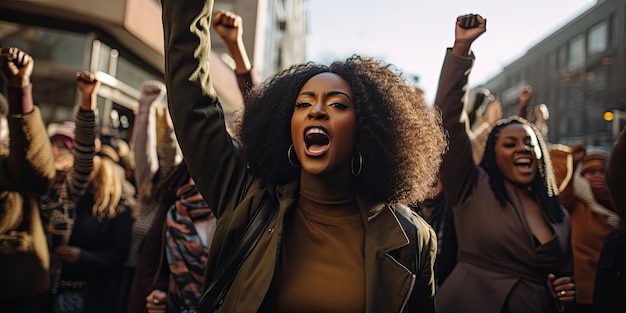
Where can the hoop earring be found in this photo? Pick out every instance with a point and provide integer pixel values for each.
(290, 158)
(356, 172)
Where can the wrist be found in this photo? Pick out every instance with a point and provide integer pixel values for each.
(18, 81)
(88, 103)
(461, 48)
(20, 99)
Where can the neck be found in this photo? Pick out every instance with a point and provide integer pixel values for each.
(327, 189)
(522, 191)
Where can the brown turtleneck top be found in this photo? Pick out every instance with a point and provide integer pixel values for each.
(322, 261)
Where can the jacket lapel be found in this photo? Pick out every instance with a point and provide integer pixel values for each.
(388, 283)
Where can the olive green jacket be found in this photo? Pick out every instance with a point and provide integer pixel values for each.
(234, 193)
(25, 174)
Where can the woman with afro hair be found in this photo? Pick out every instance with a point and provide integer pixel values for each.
(513, 235)
(334, 151)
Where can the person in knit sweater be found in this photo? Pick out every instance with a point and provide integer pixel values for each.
(25, 173)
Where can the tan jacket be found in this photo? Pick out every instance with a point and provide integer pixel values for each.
(25, 174)
(234, 193)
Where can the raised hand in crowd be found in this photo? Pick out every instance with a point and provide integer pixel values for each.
(464, 37)
(26, 171)
(229, 26)
(299, 168)
(144, 138)
(17, 66)
(507, 186)
(493, 112)
(524, 101)
(152, 91)
(88, 85)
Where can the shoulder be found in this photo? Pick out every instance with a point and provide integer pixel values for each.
(425, 233)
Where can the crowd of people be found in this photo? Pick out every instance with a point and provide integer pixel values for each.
(338, 189)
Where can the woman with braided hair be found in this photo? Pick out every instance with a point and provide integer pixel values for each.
(513, 235)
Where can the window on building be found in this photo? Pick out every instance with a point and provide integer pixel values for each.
(576, 53)
(562, 62)
(598, 36)
(552, 61)
(613, 31)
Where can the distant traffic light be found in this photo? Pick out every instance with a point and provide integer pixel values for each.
(608, 116)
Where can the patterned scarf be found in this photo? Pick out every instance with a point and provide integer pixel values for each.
(186, 254)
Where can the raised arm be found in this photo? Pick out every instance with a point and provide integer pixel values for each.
(144, 138)
(458, 171)
(229, 26)
(29, 166)
(196, 113)
(167, 149)
(85, 134)
(524, 101)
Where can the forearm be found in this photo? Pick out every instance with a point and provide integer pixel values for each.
(522, 110)
(144, 144)
(84, 151)
(247, 81)
(20, 99)
(168, 153)
(238, 52)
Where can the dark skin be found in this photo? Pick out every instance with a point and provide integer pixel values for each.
(17, 66)
(229, 26)
(562, 289)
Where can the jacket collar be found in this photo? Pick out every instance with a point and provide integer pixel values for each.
(382, 224)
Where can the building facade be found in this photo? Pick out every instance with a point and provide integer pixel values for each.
(578, 72)
(122, 41)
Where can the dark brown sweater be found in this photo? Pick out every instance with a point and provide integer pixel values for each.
(25, 174)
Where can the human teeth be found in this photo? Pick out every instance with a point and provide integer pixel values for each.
(315, 130)
(523, 161)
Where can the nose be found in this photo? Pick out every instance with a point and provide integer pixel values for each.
(524, 148)
(318, 111)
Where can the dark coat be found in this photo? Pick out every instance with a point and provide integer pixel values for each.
(610, 283)
(104, 248)
(499, 264)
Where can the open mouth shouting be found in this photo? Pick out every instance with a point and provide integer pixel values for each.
(316, 141)
(524, 165)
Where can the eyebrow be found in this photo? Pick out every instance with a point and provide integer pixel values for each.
(330, 93)
(515, 138)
